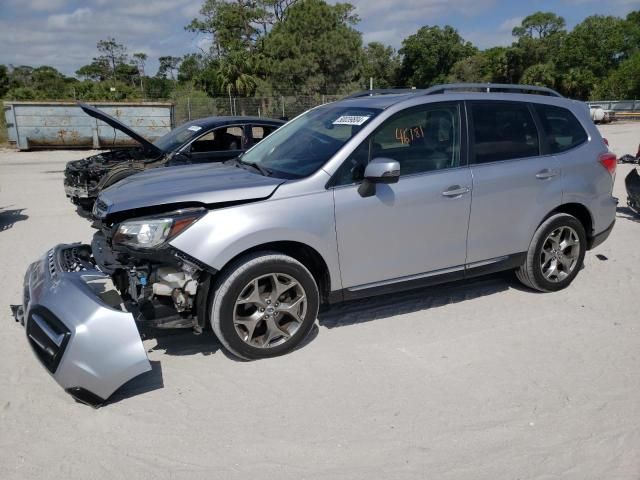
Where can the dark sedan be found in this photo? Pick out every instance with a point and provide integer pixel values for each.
(206, 140)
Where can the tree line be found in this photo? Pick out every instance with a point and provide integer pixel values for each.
(310, 47)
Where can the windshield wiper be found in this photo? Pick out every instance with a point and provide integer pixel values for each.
(263, 171)
(240, 164)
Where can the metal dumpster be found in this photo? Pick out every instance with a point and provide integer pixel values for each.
(64, 125)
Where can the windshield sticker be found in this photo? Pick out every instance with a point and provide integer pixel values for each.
(351, 120)
(194, 128)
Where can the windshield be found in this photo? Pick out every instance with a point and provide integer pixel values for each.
(178, 137)
(303, 145)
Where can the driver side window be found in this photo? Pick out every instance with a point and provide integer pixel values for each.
(421, 139)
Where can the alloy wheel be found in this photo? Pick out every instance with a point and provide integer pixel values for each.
(560, 254)
(269, 310)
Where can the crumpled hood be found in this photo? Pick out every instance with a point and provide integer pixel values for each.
(206, 184)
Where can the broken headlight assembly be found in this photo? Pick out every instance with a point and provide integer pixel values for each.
(155, 231)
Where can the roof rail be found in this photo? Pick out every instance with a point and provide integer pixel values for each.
(382, 91)
(489, 87)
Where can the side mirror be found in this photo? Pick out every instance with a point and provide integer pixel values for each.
(379, 170)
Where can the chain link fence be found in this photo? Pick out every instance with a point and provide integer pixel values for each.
(188, 108)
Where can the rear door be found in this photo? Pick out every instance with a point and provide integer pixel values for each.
(515, 184)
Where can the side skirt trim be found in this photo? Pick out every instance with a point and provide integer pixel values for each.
(447, 275)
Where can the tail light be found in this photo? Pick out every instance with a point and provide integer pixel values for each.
(606, 142)
(609, 161)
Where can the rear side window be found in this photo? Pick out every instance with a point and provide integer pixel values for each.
(503, 131)
(561, 127)
(259, 132)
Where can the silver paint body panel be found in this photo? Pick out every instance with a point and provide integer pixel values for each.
(104, 350)
(406, 228)
(224, 233)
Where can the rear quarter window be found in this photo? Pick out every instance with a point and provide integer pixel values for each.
(562, 129)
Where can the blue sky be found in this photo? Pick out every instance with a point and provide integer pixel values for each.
(63, 33)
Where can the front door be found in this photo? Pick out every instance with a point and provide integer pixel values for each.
(218, 145)
(417, 226)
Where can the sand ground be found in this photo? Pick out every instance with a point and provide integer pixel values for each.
(476, 380)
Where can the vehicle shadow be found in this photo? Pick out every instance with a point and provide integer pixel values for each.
(183, 342)
(627, 214)
(385, 306)
(147, 382)
(8, 218)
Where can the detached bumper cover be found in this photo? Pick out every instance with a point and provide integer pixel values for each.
(74, 327)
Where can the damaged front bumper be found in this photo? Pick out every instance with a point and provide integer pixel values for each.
(76, 328)
(76, 191)
(632, 182)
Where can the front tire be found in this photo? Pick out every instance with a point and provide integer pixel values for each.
(555, 255)
(264, 304)
(117, 177)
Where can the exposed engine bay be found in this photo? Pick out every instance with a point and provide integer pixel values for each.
(84, 178)
(163, 288)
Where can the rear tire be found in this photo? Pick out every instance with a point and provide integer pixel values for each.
(555, 255)
(264, 304)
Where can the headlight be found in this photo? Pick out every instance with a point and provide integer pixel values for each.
(151, 232)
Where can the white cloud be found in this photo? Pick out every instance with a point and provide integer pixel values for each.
(63, 21)
(510, 23)
(157, 7)
(488, 39)
(67, 39)
(192, 9)
(387, 37)
(391, 21)
(64, 33)
(423, 9)
(38, 5)
(609, 7)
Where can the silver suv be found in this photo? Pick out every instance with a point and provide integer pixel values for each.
(378, 192)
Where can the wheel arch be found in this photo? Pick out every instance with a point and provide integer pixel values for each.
(303, 253)
(578, 210)
(117, 175)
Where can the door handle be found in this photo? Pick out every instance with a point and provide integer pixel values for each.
(455, 191)
(546, 174)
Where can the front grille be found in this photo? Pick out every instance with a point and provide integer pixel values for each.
(48, 336)
(76, 259)
(51, 263)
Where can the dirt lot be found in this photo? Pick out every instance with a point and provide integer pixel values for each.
(477, 380)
